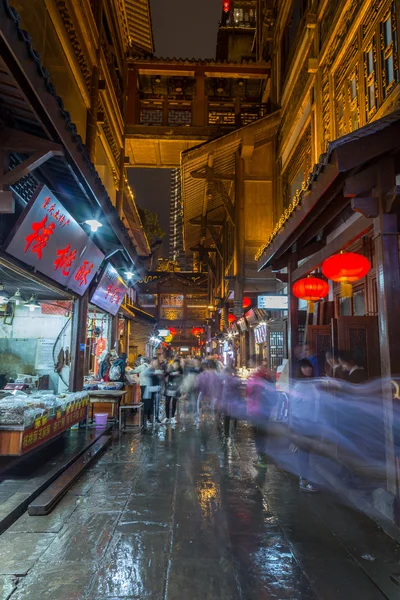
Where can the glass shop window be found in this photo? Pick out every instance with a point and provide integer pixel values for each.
(359, 303)
(345, 307)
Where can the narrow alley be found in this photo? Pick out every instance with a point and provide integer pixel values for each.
(174, 515)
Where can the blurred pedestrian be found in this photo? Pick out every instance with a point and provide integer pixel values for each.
(152, 393)
(261, 396)
(172, 390)
(305, 408)
(143, 379)
(352, 366)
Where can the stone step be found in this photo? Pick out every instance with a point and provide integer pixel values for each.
(48, 499)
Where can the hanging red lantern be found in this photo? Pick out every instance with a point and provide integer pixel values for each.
(197, 330)
(311, 289)
(246, 302)
(226, 5)
(231, 318)
(345, 268)
(172, 330)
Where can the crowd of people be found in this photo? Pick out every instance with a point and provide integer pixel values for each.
(329, 404)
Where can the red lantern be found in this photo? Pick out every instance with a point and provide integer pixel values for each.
(197, 330)
(231, 318)
(246, 302)
(172, 330)
(226, 5)
(345, 268)
(311, 289)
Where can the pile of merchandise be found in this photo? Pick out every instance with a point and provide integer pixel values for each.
(23, 409)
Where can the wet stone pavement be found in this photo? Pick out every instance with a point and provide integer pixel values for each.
(177, 515)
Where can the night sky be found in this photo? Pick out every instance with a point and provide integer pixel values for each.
(182, 29)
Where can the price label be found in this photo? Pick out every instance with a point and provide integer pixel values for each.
(38, 422)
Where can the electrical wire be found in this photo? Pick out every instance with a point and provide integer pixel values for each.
(54, 351)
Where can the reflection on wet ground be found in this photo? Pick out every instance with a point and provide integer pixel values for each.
(175, 515)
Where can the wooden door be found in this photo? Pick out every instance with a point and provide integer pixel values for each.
(319, 337)
(359, 333)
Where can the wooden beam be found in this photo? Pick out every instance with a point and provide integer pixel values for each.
(366, 206)
(215, 238)
(226, 201)
(25, 143)
(392, 198)
(27, 166)
(361, 182)
(344, 239)
(228, 176)
(197, 221)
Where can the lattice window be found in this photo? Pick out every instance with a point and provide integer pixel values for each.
(347, 104)
(389, 56)
(370, 76)
(151, 116)
(180, 116)
(221, 116)
(298, 168)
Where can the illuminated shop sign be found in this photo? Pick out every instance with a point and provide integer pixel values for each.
(273, 302)
(110, 291)
(49, 239)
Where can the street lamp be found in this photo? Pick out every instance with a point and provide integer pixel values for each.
(94, 224)
(16, 298)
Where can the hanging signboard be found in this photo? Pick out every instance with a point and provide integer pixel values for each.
(273, 302)
(110, 291)
(48, 238)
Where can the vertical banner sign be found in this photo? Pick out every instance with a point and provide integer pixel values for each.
(48, 238)
(110, 291)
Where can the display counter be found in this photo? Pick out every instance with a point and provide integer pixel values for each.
(106, 401)
(28, 422)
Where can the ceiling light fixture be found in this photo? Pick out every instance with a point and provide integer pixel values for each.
(129, 275)
(16, 298)
(3, 295)
(94, 224)
(32, 303)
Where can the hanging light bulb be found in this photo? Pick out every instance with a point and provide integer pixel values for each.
(32, 303)
(94, 224)
(129, 275)
(16, 298)
(3, 295)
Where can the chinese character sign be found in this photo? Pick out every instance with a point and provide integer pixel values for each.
(110, 291)
(48, 238)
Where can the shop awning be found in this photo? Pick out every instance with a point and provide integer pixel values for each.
(133, 312)
(328, 194)
(30, 106)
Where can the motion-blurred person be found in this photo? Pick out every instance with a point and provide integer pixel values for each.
(333, 368)
(155, 376)
(172, 390)
(260, 393)
(143, 379)
(352, 367)
(104, 366)
(305, 408)
(230, 397)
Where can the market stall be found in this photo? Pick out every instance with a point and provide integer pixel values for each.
(30, 420)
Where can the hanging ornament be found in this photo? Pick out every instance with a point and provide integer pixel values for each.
(197, 330)
(172, 330)
(310, 289)
(226, 5)
(231, 318)
(345, 268)
(246, 302)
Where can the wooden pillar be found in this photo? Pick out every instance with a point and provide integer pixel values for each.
(78, 343)
(91, 124)
(238, 112)
(293, 318)
(199, 102)
(239, 250)
(386, 233)
(113, 333)
(133, 100)
(127, 335)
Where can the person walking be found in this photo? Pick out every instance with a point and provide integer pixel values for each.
(172, 391)
(152, 393)
(305, 410)
(261, 396)
(143, 380)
